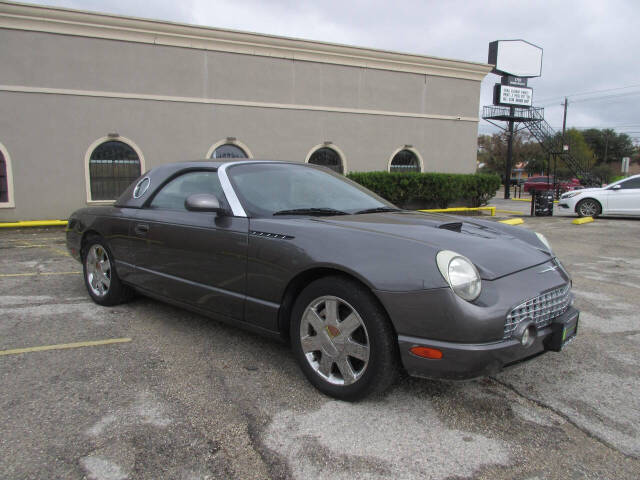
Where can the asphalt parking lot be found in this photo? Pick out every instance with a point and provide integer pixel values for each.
(184, 397)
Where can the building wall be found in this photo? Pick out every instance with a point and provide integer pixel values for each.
(60, 93)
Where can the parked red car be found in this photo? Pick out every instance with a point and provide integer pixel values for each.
(533, 184)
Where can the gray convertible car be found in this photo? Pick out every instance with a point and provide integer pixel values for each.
(360, 288)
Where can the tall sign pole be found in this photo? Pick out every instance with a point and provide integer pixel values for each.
(509, 163)
(515, 61)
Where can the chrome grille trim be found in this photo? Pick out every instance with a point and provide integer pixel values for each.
(541, 309)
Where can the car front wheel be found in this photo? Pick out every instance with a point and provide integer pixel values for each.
(588, 208)
(100, 277)
(343, 340)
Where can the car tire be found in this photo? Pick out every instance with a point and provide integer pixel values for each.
(100, 276)
(343, 340)
(588, 208)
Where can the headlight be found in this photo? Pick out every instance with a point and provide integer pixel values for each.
(570, 194)
(544, 241)
(461, 275)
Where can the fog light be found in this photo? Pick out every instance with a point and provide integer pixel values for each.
(526, 332)
(426, 352)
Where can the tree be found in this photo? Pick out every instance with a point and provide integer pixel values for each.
(579, 150)
(607, 145)
(492, 151)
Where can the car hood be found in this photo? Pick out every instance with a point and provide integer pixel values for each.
(496, 250)
(588, 190)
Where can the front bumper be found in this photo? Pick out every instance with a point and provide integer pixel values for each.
(464, 360)
(568, 204)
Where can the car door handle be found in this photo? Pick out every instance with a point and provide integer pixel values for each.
(141, 229)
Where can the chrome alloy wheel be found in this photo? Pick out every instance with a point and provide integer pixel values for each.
(588, 208)
(334, 340)
(98, 270)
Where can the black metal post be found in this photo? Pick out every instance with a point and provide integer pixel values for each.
(507, 170)
(555, 172)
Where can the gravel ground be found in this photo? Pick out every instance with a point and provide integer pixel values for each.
(190, 398)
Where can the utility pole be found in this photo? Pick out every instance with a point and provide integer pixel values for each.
(564, 120)
(565, 148)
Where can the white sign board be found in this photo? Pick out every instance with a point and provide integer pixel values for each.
(515, 57)
(625, 164)
(519, 96)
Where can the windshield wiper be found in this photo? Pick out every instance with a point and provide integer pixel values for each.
(311, 211)
(377, 210)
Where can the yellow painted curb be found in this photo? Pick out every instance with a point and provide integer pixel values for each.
(64, 346)
(512, 212)
(461, 209)
(512, 221)
(580, 221)
(34, 223)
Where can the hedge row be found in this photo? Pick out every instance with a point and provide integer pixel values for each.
(432, 189)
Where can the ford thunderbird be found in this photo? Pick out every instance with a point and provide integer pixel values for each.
(361, 289)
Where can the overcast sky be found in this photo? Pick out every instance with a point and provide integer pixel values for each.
(591, 48)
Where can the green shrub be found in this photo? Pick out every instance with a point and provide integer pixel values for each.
(435, 189)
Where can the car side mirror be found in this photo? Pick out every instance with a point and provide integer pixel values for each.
(204, 202)
(616, 187)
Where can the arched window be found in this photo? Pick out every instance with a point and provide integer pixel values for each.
(327, 157)
(6, 180)
(229, 150)
(405, 161)
(113, 165)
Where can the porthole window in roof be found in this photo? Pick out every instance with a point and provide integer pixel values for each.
(141, 187)
(113, 165)
(405, 161)
(229, 150)
(327, 157)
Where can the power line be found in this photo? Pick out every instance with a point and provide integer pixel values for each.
(589, 92)
(596, 98)
(604, 97)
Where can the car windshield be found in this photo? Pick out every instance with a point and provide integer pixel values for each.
(267, 189)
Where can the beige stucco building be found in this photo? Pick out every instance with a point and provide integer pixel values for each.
(87, 101)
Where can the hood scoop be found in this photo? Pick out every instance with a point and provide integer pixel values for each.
(453, 226)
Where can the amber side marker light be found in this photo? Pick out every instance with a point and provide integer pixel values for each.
(426, 352)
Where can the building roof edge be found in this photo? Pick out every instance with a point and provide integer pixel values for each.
(65, 21)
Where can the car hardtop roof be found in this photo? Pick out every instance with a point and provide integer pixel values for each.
(208, 163)
(162, 173)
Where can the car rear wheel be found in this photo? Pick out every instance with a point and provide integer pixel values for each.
(100, 277)
(343, 340)
(588, 208)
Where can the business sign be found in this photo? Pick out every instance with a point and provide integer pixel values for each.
(515, 57)
(510, 95)
(514, 81)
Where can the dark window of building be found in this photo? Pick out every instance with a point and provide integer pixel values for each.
(327, 157)
(405, 161)
(112, 167)
(4, 181)
(229, 150)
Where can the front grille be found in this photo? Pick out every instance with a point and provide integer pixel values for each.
(541, 309)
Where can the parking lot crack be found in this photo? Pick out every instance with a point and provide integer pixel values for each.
(276, 466)
(564, 416)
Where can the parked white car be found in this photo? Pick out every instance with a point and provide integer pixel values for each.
(618, 198)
